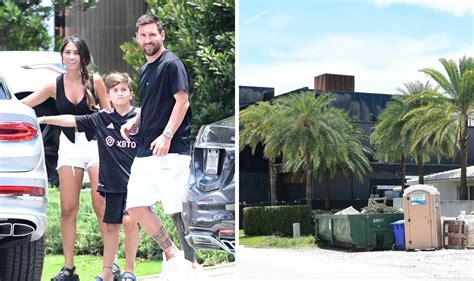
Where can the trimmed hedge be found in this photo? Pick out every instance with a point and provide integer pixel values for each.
(277, 220)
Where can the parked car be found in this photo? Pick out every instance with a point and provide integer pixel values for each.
(25, 72)
(209, 207)
(23, 185)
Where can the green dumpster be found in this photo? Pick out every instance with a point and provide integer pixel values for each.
(365, 231)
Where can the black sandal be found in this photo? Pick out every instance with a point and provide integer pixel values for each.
(128, 276)
(66, 274)
(116, 272)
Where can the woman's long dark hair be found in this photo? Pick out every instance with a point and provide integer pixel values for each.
(85, 60)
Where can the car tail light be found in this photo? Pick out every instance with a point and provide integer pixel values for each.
(227, 231)
(16, 131)
(22, 190)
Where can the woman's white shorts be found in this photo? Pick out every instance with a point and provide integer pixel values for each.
(159, 178)
(81, 154)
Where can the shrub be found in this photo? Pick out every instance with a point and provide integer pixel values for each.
(276, 220)
(89, 241)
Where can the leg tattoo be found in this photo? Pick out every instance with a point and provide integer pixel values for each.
(162, 238)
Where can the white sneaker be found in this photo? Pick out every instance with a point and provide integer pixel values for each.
(198, 274)
(176, 268)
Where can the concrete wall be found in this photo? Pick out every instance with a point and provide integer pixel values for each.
(447, 190)
(451, 208)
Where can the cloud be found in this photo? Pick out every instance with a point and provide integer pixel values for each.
(257, 16)
(380, 63)
(455, 7)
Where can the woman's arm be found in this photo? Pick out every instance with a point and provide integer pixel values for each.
(46, 91)
(100, 92)
(66, 120)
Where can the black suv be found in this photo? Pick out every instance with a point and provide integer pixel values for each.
(209, 210)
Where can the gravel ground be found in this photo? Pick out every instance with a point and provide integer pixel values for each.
(331, 264)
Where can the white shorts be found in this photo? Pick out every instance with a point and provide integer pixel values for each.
(81, 154)
(159, 178)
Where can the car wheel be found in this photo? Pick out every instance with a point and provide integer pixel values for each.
(22, 262)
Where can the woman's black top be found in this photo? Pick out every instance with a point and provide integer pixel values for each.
(65, 106)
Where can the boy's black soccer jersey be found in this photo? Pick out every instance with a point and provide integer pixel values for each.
(115, 154)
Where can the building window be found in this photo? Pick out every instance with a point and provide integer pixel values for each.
(470, 193)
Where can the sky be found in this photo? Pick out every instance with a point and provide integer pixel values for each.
(284, 44)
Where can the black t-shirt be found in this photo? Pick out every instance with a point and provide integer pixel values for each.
(159, 81)
(115, 154)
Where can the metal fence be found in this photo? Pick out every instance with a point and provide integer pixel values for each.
(105, 28)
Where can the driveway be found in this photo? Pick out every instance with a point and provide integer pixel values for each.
(220, 272)
(328, 264)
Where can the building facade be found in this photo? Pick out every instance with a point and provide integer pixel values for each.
(364, 108)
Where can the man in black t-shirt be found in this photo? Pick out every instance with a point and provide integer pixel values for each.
(115, 156)
(160, 171)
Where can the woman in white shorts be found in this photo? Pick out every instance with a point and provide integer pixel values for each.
(78, 93)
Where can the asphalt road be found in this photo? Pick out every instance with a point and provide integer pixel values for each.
(327, 264)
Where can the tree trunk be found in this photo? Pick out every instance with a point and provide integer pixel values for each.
(463, 146)
(419, 164)
(272, 171)
(402, 171)
(327, 197)
(309, 179)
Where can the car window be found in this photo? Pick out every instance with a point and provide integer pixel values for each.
(3, 94)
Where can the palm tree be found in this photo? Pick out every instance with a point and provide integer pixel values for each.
(431, 125)
(403, 129)
(387, 138)
(257, 123)
(416, 96)
(315, 137)
(459, 86)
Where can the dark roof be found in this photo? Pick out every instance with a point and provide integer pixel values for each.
(249, 95)
(362, 107)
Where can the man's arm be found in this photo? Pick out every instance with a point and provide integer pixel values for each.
(161, 145)
(59, 120)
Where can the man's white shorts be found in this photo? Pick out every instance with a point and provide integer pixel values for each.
(159, 178)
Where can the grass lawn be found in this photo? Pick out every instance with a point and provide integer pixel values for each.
(90, 266)
(276, 242)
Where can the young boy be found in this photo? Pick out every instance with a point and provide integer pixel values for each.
(116, 156)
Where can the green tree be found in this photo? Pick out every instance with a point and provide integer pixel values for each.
(202, 34)
(403, 129)
(318, 139)
(389, 144)
(430, 130)
(459, 86)
(22, 27)
(418, 95)
(257, 122)
(22, 23)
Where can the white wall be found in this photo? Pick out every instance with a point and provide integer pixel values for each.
(447, 190)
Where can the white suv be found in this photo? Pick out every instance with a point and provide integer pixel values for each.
(23, 177)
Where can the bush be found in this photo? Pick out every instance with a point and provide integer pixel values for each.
(202, 34)
(276, 220)
(89, 241)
